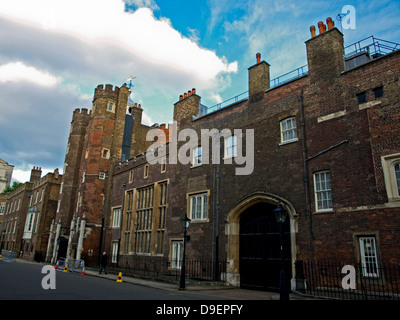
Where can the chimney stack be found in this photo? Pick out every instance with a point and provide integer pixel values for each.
(36, 174)
(258, 79)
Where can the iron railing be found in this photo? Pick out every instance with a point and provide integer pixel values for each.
(374, 46)
(296, 73)
(161, 268)
(325, 279)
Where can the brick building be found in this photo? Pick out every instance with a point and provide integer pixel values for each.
(40, 213)
(326, 147)
(323, 144)
(28, 214)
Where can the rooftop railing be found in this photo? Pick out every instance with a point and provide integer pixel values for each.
(296, 73)
(374, 46)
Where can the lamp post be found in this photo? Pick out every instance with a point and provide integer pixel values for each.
(280, 215)
(185, 223)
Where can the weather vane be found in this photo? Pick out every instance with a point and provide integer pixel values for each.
(130, 79)
(340, 17)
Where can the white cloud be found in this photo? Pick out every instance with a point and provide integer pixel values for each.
(153, 40)
(19, 72)
(67, 48)
(146, 119)
(23, 175)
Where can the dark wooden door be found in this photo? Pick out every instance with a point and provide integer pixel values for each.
(260, 255)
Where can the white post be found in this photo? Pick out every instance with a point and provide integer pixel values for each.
(71, 237)
(50, 242)
(55, 246)
(81, 236)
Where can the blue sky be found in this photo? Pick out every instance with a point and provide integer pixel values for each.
(54, 53)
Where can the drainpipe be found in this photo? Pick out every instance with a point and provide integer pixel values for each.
(306, 179)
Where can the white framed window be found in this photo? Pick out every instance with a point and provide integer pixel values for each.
(29, 222)
(397, 177)
(323, 191)
(116, 218)
(58, 206)
(369, 257)
(391, 173)
(197, 156)
(177, 254)
(198, 206)
(288, 130)
(114, 253)
(102, 175)
(230, 147)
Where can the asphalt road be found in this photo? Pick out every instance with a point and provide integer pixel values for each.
(23, 281)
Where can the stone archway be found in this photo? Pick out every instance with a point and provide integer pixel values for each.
(232, 231)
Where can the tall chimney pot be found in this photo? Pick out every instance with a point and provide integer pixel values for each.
(330, 23)
(258, 56)
(321, 27)
(312, 30)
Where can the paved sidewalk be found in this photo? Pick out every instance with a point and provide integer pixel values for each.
(212, 289)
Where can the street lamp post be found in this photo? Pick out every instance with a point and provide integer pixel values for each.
(280, 215)
(182, 283)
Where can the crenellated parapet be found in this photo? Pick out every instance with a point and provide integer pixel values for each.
(108, 91)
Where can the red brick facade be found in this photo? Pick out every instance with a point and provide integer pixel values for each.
(327, 157)
(335, 134)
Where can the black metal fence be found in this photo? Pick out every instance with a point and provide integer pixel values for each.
(354, 281)
(161, 268)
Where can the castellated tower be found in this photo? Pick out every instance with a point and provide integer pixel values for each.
(67, 198)
(98, 140)
(102, 150)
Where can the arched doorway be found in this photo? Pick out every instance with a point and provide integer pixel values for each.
(252, 212)
(259, 250)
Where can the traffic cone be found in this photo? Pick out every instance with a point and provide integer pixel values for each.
(83, 271)
(56, 266)
(119, 277)
(66, 268)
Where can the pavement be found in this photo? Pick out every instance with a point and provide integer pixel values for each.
(221, 290)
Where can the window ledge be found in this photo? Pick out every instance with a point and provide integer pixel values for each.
(324, 211)
(288, 141)
(199, 220)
